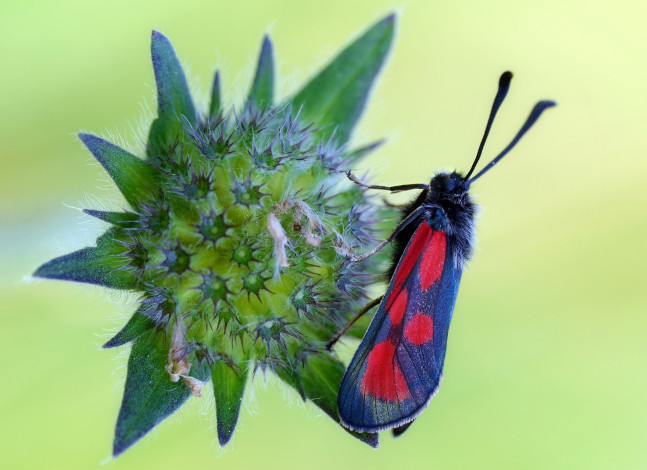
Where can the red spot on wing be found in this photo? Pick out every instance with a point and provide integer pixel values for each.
(418, 242)
(433, 259)
(383, 378)
(420, 329)
(397, 305)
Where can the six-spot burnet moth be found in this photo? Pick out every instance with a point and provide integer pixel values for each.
(398, 366)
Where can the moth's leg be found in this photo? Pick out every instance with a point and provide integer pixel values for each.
(398, 431)
(393, 189)
(406, 221)
(356, 317)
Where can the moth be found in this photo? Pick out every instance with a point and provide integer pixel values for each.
(398, 366)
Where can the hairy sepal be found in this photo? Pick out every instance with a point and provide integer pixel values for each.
(336, 97)
(228, 386)
(100, 265)
(149, 395)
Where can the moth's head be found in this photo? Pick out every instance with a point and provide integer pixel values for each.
(446, 184)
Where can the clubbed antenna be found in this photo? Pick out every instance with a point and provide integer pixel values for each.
(504, 86)
(532, 118)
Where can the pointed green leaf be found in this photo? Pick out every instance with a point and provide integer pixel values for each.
(321, 378)
(86, 265)
(214, 107)
(94, 265)
(138, 324)
(133, 176)
(120, 219)
(174, 104)
(228, 387)
(173, 97)
(335, 98)
(262, 91)
(149, 394)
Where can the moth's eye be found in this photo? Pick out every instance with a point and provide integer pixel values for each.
(443, 183)
(447, 184)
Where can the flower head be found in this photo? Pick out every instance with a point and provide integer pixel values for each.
(236, 239)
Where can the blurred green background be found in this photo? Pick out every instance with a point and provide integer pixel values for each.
(546, 361)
